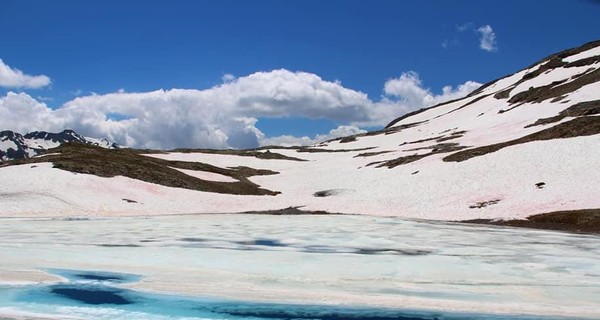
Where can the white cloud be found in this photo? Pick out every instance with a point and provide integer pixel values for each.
(487, 36)
(487, 41)
(407, 93)
(22, 113)
(225, 115)
(15, 78)
(289, 141)
(228, 77)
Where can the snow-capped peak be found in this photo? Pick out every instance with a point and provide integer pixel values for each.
(14, 145)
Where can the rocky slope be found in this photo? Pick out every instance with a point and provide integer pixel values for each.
(521, 145)
(14, 145)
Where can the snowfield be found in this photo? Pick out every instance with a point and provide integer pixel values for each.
(554, 174)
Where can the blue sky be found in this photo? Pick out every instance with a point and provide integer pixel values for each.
(93, 49)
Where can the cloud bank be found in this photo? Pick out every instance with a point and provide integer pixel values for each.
(15, 78)
(224, 116)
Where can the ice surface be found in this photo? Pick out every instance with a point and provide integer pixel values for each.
(345, 261)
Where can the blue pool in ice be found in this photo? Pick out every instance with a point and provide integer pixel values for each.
(95, 295)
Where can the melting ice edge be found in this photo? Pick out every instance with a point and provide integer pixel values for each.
(97, 295)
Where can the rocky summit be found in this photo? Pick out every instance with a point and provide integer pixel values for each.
(14, 145)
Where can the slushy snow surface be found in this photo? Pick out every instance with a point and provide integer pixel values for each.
(345, 261)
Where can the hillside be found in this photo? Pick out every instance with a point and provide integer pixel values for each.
(522, 145)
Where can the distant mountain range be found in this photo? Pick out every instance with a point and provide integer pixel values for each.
(14, 145)
(522, 145)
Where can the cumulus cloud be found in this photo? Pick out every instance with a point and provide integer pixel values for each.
(288, 140)
(407, 93)
(487, 41)
(409, 90)
(22, 113)
(15, 78)
(225, 115)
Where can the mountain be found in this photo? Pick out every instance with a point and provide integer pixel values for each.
(14, 145)
(522, 145)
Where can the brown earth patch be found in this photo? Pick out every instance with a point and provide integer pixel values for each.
(439, 148)
(422, 140)
(318, 150)
(552, 62)
(577, 110)
(582, 126)
(442, 138)
(451, 137)
(435, 149)
(584, 62)
(86, 159)
(294, 211)
(266, 155)
(370, 154)
(566, 53)
(554, 90)
(484, 204)
(348, 139)
(504, 94)
(399, 161)
(586, 220)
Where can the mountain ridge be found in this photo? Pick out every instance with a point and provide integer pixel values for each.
(14, 145)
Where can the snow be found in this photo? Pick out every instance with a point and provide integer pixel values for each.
(440, 190)
(8, 144)
(41, 144)
(209, 176)
(318, 260)
(47, 154)
(428, 188)
(99, 142)
(124, 225)
(582, 55)
(553, 75)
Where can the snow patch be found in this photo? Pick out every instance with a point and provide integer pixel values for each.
(583, 55)
(208, 176)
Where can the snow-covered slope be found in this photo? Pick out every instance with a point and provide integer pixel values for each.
(14, 145)
(525, 144)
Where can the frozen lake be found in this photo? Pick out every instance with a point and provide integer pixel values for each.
(293, 267)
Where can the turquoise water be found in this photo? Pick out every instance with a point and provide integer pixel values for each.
(96, 295)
